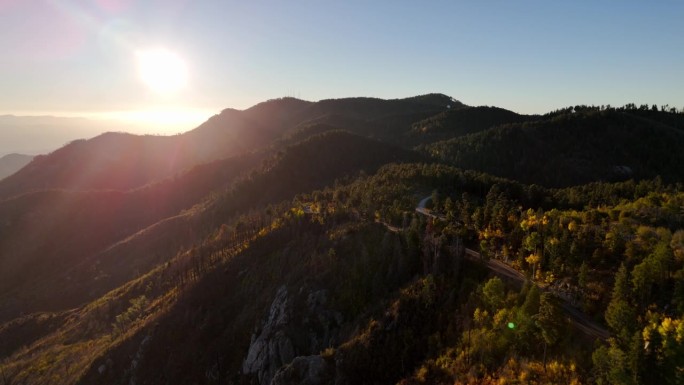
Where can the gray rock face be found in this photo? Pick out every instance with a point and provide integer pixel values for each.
(297, 324)
(270, 348)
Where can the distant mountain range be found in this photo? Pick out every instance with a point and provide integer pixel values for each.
(11, 163)
(34, 135)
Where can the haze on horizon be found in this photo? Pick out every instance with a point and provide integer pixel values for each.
(35, 135)
(169, 65)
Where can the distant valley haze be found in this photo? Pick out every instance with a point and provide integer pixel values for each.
(41, 134)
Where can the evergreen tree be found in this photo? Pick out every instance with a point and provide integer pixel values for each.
(620, 314)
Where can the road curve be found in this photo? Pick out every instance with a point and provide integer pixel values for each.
(579, 319)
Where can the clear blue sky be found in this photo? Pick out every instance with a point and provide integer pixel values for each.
(77, 56)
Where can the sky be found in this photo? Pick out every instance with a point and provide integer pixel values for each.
(110, 58)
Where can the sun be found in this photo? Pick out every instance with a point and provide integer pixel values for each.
(162, 70)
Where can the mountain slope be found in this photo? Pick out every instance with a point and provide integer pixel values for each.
(571, 149)
(52, 238)
(123, 161)
(48, 233)
(308, 261)
(327, 290)
(458, 122)
(386, 120)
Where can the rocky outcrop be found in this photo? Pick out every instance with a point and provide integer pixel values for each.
(270, 348)
(296, 325)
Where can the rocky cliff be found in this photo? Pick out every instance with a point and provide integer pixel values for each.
(296, 327)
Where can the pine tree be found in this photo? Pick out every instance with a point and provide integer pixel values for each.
(620, 314)
(550, 322)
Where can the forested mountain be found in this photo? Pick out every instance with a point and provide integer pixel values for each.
(300, 242)
(85, 225)
(122, 161)
(462, 121)
(46, 234)
(574, 148)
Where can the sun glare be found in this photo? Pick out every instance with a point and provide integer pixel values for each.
(157, 120)
(163, 71)
(166, 119)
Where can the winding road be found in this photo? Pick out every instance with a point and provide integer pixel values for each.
(579, 319)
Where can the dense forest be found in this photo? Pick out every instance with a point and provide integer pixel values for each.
(352, 241)
(571, 148)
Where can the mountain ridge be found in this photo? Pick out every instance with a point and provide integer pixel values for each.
(581, 148)
(143, 159)
(285, 243)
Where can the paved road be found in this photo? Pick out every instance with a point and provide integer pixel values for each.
(579, 319)
(497, 267)
(389, 227)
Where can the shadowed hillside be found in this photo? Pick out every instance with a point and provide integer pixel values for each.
(123, 161)
(573, 149)
(46, 233)
(68, 232)
(462, 121)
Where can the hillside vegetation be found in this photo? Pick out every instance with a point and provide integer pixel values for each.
(309, 257)
(573, 148)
